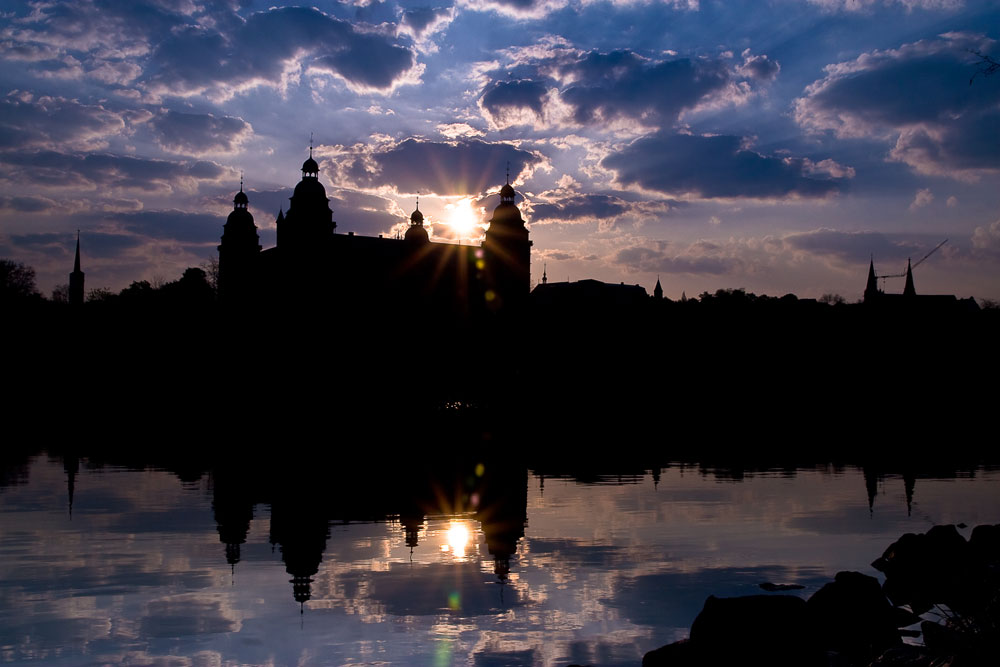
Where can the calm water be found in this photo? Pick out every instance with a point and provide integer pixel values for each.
(596, 571)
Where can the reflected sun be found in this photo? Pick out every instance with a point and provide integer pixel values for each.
(458, 538)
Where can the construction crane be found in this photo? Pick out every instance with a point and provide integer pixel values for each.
(913, 266)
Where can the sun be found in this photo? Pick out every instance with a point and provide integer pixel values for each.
(462, 218)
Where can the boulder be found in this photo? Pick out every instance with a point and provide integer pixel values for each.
(853, 617)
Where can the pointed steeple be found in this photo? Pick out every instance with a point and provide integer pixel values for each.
(657, 291)
(871, 287)
(545, 277)
(908, 290)
(76, 278)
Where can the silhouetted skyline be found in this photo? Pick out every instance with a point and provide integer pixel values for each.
(773, 147)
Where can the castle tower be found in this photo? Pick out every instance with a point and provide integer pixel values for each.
(416, 232)
(238, 252)
(507, 254)
(308, 225)
(76, 278)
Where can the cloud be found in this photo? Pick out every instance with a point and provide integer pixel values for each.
(505, 100)
(95, 171)
(919, 95)
(190, 49)
(721, 167)
(56, 122)
(857, 247)
(456, 130)
(922, 198)
(759, 67)
(522, 9)
(986, 240)
(606, 209)
(422, 22)
(698, 258)
(268, 47)
(466, 167)
(98, 244)
(868, 5)
(197, 134)
(171, 224)
(621, 84)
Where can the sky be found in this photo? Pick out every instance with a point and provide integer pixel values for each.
(770, 145)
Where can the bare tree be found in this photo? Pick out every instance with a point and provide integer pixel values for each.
(986, 65)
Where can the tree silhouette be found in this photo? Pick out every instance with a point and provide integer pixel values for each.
(17, 281)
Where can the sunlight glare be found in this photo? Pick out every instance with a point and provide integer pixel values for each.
(463, 219)
(458, 538)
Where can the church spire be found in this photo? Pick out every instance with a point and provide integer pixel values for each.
(545, 277)
(871, 287)
(76, 278)
(908, 290)
(657, 291)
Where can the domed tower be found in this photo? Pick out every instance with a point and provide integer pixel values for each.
(238, 251)
(309, 224)
(507, 253)
(416, 233)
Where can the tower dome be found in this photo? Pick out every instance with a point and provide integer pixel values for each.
(416, 232)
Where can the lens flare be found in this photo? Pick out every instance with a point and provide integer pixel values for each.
(463, 219)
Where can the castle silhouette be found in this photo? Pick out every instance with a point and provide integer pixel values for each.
(312, 263)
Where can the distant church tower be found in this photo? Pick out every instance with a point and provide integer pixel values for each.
(238, 252)
(507, 253)
(76, 278)
(871, 287)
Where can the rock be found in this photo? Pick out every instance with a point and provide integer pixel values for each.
(756, 629)
(927, 569)
(852, 616)
(678, 654)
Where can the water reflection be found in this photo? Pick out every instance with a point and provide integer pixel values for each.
(426, 563)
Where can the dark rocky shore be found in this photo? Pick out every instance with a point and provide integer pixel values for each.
(937, 581)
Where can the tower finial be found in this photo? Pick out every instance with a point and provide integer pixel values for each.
(310, 144)
(418, 201)
(241, 180)
(508, 172)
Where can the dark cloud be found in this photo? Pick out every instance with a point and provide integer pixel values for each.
(921, 93)
(504, 96)
(695, 260)
(27, 204)
(55, 122)
(719, 167)
(176, 225)
(421, 20)
(580, 208)
(621, 84)
(199, 133)
(184, 616)
(97, 244)
(463, 588)
(443, 168)
(195, 59)
(101, 170)
(858, 247)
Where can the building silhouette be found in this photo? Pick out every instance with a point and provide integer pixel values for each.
(909, 300)
(76, 278)
(313, 264)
